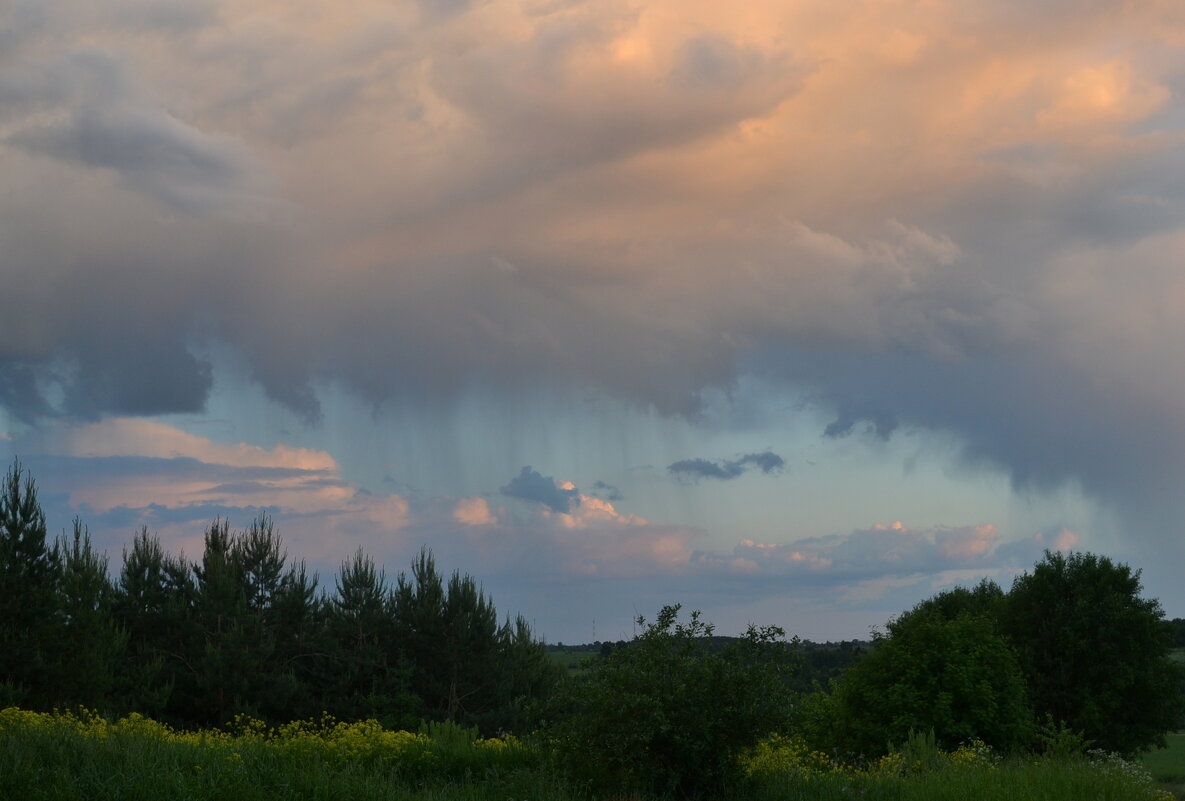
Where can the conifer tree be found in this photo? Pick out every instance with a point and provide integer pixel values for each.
(154, 600)
(525, 675)
(92, 643)
(370, 679)
(303, 649)
(30, 572)
(450, 636)
(230, 648)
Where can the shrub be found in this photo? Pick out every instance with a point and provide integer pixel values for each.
(670, 713)
(955, 678)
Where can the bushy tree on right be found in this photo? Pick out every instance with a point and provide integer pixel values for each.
(1094, 653)
(1072, 648)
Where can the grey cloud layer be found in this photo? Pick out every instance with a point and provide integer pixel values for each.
(650, 202)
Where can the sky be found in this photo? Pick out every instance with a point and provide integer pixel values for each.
(796, 312)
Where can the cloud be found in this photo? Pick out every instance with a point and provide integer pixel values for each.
(153, 439)
(610, 492)
(121, 474)
(869, 206)
(863, 566)
(473, 512)
(725, 470)
(106, 119)
(152, 152)
(530, 486)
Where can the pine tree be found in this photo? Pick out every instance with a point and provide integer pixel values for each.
(154, 601)
(258, 555)
(30, 573)
(92, 643)
(230, 647)
(303, 650)
(525, 677)
(371, 680)
(450, 637)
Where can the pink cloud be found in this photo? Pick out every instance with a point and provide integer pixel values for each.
(473, 512)
(129, 436)
(968, 542)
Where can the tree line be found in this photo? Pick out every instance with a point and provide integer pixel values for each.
(243, 630)
(1070, 657)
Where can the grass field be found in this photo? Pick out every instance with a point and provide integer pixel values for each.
(86, 758)
(1167, 765)
(572, 660)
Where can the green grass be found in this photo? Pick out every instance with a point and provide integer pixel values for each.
(1168, 764)
(572, 660)
(1009, 782)
(68, 758)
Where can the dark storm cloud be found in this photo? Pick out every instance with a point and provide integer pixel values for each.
(1046, 424)
(724, 470)
(849, 414)
(582, 197)
(107, 120)
(530, 486)
(153, 152)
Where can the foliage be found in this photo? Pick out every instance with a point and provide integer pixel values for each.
(240, 631)
(84, 756)
(153, 603)
(450, 633)
(984, 600)
(956, 678)
(366, 675)
(1176, 631)
(1094, 653)
(1056, 740)
(55, 757)
(59, 757)
(30, 573)
(669, 715)
(96, 641)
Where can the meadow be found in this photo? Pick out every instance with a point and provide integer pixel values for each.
(1167, 765)
(63, 757)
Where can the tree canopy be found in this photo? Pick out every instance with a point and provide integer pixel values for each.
(954, 675)
(1095, 654)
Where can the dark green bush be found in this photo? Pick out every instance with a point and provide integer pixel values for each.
(670, 712)
(957, 678)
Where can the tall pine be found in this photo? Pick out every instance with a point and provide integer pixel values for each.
(90, 635)
(154, 601)
(30, 619)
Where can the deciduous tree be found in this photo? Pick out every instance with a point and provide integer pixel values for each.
(1094, 652)
(957, 677)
